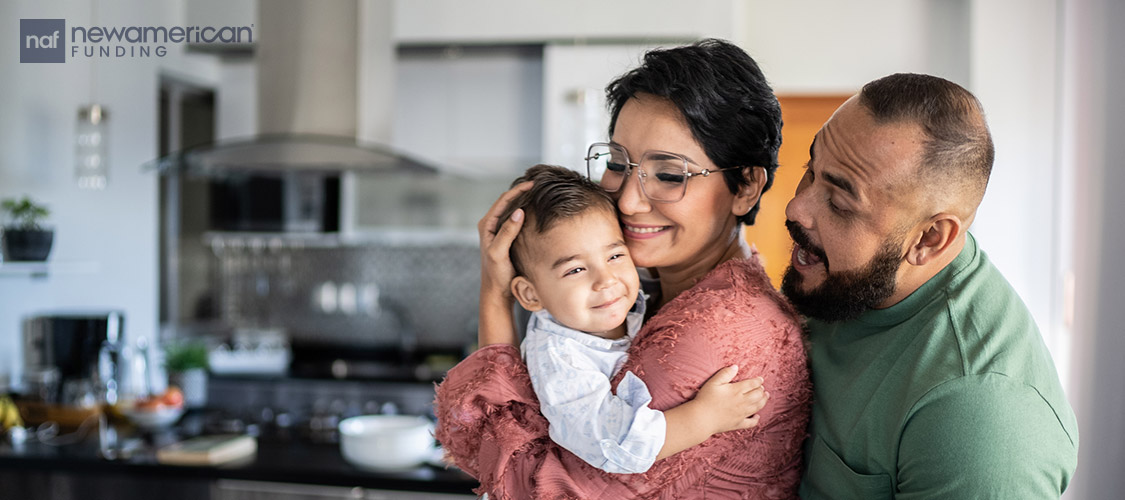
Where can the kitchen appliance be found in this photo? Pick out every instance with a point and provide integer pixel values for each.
(366, 257)
(71, 363)
(289, 201)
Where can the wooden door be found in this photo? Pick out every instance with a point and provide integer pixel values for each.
(803, 116)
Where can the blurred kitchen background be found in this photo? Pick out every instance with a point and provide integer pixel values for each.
(305, 204)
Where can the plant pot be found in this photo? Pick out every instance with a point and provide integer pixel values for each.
(193, 383)
(30, 245)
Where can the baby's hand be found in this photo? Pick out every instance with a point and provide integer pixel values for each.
(726, 406)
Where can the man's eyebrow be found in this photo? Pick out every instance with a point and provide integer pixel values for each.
(841, 183)
(835, 180)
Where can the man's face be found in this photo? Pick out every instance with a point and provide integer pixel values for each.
(849, 217)
(843, 295)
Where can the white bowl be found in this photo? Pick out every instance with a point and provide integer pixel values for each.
(386, 442)
(159, 418)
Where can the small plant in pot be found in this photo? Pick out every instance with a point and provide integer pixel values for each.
(187, 364)
(24, 238)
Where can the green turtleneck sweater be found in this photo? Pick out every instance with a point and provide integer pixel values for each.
(950, 393)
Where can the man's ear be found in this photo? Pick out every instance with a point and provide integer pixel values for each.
(749, 194)
(935, 239)
(524, 291)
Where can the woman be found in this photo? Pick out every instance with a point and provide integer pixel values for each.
(707, 107)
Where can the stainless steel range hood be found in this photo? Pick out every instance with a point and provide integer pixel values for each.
(291, 152)
(309, 70)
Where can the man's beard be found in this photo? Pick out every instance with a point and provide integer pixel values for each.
(846, 294)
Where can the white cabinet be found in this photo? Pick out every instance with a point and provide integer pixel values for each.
(540, 21)
(574, 106)
(475, 109)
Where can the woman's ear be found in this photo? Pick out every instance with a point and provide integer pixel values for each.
(524, 291)
(749, 194)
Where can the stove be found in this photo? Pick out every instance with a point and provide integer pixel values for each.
(288, 409)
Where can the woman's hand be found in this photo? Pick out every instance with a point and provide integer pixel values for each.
(496, 270)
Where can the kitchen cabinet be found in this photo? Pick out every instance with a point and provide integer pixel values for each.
(44, 269)
(574, 107)
(281, 470)
(519, 21)
(496, 110)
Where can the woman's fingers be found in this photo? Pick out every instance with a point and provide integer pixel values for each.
(491, 220)
(499, 264)
(508, 232)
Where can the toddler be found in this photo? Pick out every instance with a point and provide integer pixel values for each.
(573, 272)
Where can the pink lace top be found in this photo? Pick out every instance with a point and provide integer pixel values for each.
(490, 426)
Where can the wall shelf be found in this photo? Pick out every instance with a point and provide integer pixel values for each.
(43, 269)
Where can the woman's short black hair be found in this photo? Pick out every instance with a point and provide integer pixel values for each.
(725, 98)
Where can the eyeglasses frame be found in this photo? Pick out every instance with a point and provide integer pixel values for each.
(630, 166)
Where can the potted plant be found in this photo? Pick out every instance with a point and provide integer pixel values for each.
(24, 238)
(187, 363)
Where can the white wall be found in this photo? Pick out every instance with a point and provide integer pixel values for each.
(1004, 51)
(1092, 127)
(1014, 73)
(115, 229)
(831, 47)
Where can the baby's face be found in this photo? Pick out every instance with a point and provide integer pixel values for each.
(580, 271)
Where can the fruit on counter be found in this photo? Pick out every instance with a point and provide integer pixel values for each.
(9, 414)
(173, 397)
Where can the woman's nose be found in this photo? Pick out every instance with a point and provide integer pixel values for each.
(630, 199)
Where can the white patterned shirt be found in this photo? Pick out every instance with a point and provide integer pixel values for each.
(570, 372)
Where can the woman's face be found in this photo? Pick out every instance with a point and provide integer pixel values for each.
(698, 229)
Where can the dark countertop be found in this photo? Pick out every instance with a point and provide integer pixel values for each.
(276, 461)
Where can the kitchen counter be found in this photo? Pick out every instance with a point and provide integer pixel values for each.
(275, 462)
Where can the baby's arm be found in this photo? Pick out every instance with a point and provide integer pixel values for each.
(719, 406)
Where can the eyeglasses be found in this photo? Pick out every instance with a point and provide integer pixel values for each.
(609, 165)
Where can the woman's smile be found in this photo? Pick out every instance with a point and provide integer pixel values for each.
(642, 232)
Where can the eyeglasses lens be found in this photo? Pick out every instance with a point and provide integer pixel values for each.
(607, 165)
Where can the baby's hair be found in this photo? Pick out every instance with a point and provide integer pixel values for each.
(558, 193)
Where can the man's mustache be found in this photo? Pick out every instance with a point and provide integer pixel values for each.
(801, 238)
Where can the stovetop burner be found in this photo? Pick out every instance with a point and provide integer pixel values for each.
(288, 409)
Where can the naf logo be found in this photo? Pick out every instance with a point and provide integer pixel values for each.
(42, 40)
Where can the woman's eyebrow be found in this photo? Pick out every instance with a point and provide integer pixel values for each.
(686, 157)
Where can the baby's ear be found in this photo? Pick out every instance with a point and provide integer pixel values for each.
(524, 291)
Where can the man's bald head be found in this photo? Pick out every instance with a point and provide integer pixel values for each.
(957, 155)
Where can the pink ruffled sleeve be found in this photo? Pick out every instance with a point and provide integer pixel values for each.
(490, 426)
(485, 396)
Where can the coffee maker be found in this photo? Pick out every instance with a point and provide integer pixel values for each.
(71, 363)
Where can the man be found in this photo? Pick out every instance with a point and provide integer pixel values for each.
(930, 377)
